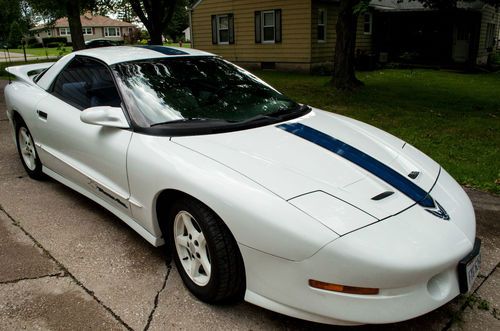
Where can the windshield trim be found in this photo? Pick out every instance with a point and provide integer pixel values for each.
(204, 128)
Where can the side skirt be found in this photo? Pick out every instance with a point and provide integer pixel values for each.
(155, 241)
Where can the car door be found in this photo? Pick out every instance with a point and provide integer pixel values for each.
(92, 157)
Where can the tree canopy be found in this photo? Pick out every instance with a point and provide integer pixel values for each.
(155, 15)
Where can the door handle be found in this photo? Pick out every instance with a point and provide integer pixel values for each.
(42, 114)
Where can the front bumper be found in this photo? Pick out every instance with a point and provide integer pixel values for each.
(411, 257)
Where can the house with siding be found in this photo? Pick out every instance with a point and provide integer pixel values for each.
(300, 34)
(93, 26)
(406, 29)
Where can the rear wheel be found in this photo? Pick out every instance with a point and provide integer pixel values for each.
(27, 151)
(205, 253)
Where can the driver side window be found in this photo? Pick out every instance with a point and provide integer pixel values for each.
(86, 83)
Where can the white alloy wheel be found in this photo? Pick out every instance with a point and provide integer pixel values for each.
(27, 148)
(192, 248)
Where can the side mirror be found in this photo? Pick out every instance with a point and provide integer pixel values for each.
(105, 116)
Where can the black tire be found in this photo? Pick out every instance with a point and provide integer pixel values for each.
(34, 170)
(227, 276)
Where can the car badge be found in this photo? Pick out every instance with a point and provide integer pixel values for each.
(438, 211)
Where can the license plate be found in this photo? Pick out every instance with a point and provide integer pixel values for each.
(468, 268)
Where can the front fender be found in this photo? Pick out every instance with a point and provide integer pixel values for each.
(256, 217)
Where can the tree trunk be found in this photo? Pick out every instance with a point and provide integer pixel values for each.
(156, 36)
(344, 77)
(75, 25)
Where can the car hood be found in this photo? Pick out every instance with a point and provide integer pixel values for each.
(291, 166)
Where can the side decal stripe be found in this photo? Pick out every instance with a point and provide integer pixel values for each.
(365, 161)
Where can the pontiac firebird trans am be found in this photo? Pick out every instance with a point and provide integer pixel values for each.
(297, 210)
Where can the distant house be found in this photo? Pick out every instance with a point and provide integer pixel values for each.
(466, 34)
(300, 34)
(94, 27)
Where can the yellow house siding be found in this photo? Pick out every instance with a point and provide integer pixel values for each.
(363, 40)
(295, 23)
(322, 52)
(489, 15)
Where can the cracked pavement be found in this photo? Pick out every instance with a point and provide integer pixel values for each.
(67, 263)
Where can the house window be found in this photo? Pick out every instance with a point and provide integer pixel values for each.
(321, 25)
(367, 23)
(112, 32)
(49, 33)
(490, 35)
(268, 26)
(63, 32)
(87, 31)
(223, 29)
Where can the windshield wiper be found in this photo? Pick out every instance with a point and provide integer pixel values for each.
(188, 120)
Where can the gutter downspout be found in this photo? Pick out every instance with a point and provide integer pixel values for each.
(191, 28)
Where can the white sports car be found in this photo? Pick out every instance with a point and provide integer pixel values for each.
(297, 210)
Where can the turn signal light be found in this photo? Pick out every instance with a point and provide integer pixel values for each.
(342, 288)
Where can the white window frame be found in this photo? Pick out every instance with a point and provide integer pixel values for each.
(370, 22)
(85, 29)
(67, 32)
(218, 28)
(323, 25)
(491, 30)
(262, 26)
(117, 29)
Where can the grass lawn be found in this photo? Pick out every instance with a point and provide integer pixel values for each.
(187, 45)
(41, 51)
(453, 117)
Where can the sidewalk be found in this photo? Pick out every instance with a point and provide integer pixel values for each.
(18, 57)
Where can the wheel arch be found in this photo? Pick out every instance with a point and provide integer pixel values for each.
(164, 201)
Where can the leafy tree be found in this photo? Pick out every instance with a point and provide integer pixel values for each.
(155, 15)
(179, 22)
(10, 12)
(343, 65)
(15, 34)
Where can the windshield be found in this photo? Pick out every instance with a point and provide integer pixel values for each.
(179, 90)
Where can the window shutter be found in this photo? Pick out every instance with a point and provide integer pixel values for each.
(277, 23)
(258, 38)
(230, 22)
(214, 29)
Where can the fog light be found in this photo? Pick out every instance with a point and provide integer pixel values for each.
(342, 288)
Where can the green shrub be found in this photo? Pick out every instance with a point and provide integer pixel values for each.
(56, 40)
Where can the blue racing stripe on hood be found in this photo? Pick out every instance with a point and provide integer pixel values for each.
(365, 161)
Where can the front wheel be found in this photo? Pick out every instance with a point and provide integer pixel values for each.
(27, 151)
(205, 253)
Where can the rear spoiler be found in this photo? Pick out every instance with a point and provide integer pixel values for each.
(26, 72)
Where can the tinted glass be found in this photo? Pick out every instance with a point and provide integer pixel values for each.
(166, 90)
(86, 83)
(223, 22)
(268, 34)
(269, 19)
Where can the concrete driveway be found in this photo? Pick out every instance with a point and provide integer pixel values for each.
(66, 263)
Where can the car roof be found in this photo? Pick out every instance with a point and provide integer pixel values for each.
(116, 54)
